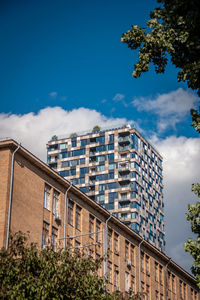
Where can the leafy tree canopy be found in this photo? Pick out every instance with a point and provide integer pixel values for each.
(173, 29)
(27, 273)
(96, 128)
(193, 246)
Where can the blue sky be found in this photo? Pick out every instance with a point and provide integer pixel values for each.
(63, 68)
(73, 48)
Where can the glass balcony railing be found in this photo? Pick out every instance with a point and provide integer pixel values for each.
(124, 139)
(125, 177)
(123, 149)
(124, 167)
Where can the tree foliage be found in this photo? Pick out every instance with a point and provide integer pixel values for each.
(193, 246)
(96, 129)
(173, 29)
(29, 273)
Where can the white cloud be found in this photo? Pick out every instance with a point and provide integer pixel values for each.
(181, 162)
(34, 130)
(170, 108)
(118, 97)
(53, 94)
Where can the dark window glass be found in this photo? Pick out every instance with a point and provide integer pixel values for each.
(111, 156)
(111, 175)
(112, 196)
(83, 171)
(111, 138)
(84, 142)
(100, 139)
(73, 143)
(110, 147)
(64, 173)
(72, 171)
(113, 185)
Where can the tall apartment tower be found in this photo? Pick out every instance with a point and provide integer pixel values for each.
(119, 169)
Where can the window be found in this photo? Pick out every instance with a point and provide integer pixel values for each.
(147, 265)
(112, 196)
(84, 142)
(70, 212)
(110, 206)
(110, 271)
(142, 261)
(100, 158)
(45, 235)
(180, 289)
(111, 138)
(192, 293)
(63, 146)
(157, 295)
(173, 284)
(127, 284)
(47, 190)
(133, 284)
(142, 287)
(132, 254)
(100, 139)
(77, 152)
(116, 246)
(126, 250)
(161, 274)
(100, 168)
(83, 171)
(112, 166)
(78, 218)
(113, 185)
(54, 236)
(73, 143)
(82, 161)
(111, 156)
(100, 198)
(147, 291)
(111, 175)
(110, 147)
(91, 225)
(77, 244)
(156, 271)
(55, 202)
(98, 227)
(184, 291)
(195, 295)
(72, 172)
(116, 277)
(102, 187)
(110, 239)
(135, 226)
(90, 253)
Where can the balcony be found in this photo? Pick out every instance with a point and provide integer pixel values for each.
(124, 134)
(124, 148)
(92, 153)
(124, 186)
(125, 198)
(124, 140)
(124, 177)
(124, 166)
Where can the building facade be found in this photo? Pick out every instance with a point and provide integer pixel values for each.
(35, 198)
(120, 170)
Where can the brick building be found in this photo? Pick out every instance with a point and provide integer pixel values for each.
(119, 169)
(36, 198)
